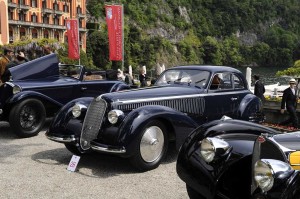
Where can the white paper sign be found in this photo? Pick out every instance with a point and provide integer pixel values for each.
(73, 163)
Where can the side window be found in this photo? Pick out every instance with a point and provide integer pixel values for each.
(238, 82)
(221, 81)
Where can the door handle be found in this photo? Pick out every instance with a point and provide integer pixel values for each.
(234, 98)
(83, 88)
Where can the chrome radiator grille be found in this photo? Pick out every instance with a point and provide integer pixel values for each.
(92, 122)
(186, 105)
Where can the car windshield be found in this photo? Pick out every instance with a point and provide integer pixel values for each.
(197, 78)
(70, 71)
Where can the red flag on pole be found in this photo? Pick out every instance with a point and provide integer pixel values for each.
(114, 20)
(73, 38)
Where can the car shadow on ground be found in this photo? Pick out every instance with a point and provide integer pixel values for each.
(6, 132)
(96, 165)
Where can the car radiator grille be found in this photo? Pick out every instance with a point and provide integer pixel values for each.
(186, 105)
(92, 122)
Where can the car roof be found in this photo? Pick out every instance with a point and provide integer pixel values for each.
(211, 68)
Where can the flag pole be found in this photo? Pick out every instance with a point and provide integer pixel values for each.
(78, 41)
(122, 38)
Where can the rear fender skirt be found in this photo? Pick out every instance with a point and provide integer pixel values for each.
(250, 104)
(178, 123)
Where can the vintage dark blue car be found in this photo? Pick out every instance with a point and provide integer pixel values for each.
(233, 159)
(138, 124)
(39, 88)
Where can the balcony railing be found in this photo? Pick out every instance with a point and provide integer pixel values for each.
(58, 12)
(80, 15)
(37, 25)
(24, 7)
(12, 5)
(47, 10)
(82, 30)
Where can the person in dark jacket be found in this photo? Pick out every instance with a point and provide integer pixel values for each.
(289, 102)
(259, 88)
(143, 78)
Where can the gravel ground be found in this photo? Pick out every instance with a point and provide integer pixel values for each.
(37, 168)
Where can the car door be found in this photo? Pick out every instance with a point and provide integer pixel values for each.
(222, 98)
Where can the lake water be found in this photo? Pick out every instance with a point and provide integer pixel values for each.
(267, 75)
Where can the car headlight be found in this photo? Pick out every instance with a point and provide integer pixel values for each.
(114, 115)
(77, 109)
(16, 89)
(212, 148)
(266, 170)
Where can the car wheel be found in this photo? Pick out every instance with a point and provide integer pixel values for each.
(77, 150)
(193, 194)
(152, 146)
(27, 118)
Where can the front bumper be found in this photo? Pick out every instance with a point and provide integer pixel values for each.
(107, 148)
(66, 139)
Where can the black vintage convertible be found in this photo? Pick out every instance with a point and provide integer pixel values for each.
(39, 88)
(234, 159)
(138, 124)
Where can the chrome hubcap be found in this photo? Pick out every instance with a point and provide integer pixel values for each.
(152, 144)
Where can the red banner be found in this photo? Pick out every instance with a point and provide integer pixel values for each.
(73, 38)
(114, 20)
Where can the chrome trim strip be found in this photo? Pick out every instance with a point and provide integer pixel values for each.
(295, 164)
(1, 111)
(59, 139)
(108, 150)
(283, 148)
(174, 97)
(9, 83)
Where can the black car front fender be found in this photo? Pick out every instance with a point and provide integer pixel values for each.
(64, 124)
(177, 123)
(32, 94)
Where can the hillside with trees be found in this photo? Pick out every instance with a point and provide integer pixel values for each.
(177, 32)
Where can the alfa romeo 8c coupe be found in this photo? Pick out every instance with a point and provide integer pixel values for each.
(138, 124)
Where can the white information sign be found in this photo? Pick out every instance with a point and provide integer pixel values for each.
(73, 163)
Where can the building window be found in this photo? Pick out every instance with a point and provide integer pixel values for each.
(22, 16)
(56, 35)
(66, 8)
(46, 34)
(44, 4)
(22, 32)
(33, 3)
(34, 18)
(45, 19)
(56, 20)
(34, 34)
(21, 2)
(55, 5)
(11, 15)
(78, 10)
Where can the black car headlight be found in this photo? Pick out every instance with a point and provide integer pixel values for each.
(212, 148)
(16, 88)
(114, 116)
(77, 109)
(266, 170)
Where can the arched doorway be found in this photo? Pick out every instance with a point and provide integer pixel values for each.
(46, 34)
(34, 34)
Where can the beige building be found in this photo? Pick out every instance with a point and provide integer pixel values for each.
(36, 19)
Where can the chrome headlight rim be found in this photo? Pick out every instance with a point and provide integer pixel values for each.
(266, 171)
(214, 148)
(114, 116)
(77, 110)
(16, 89)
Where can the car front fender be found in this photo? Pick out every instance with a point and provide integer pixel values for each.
(32, 94)
(178, 124)
(64, 124)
